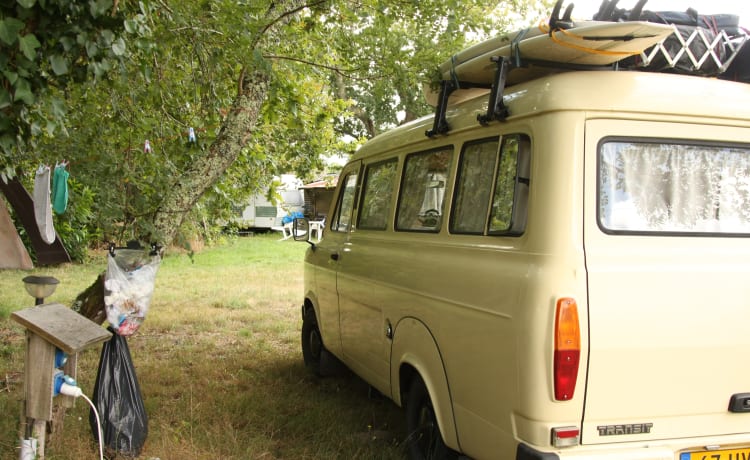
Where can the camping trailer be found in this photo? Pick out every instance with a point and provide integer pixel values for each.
(260, 213)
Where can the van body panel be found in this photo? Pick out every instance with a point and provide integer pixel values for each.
(668, 316)
(324, 259)
(366, 290)
(322, 291)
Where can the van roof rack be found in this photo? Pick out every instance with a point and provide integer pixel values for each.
(674, 42)
(496, 108)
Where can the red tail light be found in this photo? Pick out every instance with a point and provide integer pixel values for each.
(567, 348)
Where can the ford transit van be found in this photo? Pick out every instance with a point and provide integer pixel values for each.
(569, 281)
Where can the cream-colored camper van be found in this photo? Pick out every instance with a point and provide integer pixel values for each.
(568, 280)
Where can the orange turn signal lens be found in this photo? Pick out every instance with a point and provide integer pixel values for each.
(567, 348)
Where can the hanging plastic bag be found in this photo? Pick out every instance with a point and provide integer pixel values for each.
(128, 286)
(118, 400)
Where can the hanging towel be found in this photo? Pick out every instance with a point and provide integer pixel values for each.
(42, 206)
(60, 189)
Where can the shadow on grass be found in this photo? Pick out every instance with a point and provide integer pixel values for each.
(283, 412)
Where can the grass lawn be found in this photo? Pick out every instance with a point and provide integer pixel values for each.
(219, 363)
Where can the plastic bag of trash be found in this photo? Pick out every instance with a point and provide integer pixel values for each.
(117, 397)
(128, 286)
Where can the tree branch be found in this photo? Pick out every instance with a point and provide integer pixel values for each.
(284, 15)
(343, 72)
(198, 29)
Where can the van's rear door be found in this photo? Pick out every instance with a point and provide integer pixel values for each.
(667, 243)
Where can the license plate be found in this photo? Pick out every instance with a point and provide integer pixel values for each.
(733, 454)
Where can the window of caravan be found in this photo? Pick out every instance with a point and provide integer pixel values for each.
(492, 187)
(377, 193)
(343, 215)
(665, 186)
(421, 204)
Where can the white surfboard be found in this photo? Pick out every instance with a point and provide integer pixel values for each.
(595, 43)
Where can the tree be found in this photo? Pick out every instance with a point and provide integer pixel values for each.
(335, 68)
(190, 81)
(267, 86)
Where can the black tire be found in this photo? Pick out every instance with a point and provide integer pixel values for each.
(312, 342)
(424, 441)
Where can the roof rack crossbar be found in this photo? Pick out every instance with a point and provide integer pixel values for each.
(440, 125)
(497, 110)
(447, 87)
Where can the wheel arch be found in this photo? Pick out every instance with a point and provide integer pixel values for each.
(308, 305)
(415, 353)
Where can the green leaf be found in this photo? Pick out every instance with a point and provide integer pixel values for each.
(92, 49)
(130, 26)
(7, 142)
(23, 92)
(146, 71)
(9, 29)
(25, 68)
(67, 43)
(28, 44)
(35, 128)
(100, 7)
(58, 108)
(4, 98)
(102, 67)
(59, 64)
(11, 76)
(28, 4)
(118, 47)
(51, 128)
(107, 36)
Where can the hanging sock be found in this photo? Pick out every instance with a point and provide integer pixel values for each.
(60, 189)
(42, 205)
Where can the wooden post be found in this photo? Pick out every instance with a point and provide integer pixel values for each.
(40, 362)
(49, 328)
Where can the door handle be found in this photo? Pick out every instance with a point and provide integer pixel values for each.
(335, 256)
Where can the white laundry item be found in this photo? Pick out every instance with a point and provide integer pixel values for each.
(43, 205)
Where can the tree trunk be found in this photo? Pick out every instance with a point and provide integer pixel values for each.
(90, 303)
(206, 170)
(199, 176)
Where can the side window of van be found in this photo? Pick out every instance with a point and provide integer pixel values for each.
(654, 186)
(421, 201)
(510, 200)
(344, 210)
(474, 186)
(492, 187)
(376, 197)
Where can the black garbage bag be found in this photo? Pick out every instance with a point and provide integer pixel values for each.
(118, 400)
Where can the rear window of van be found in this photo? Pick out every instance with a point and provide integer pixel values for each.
(673, 187)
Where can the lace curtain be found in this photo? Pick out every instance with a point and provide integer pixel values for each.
(650, 187)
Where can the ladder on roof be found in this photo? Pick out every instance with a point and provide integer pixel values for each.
(695, 50)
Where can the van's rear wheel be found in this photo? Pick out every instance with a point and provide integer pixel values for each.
(424, 441)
